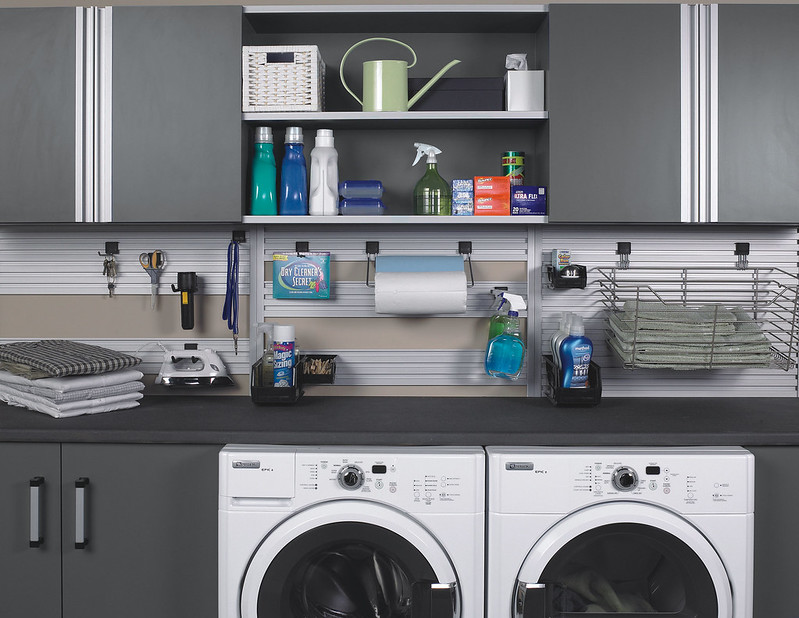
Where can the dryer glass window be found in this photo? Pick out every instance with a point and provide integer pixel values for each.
(630, 569)
(347, 570)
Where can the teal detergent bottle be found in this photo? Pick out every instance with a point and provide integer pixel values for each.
(505, 352)
(575, 356)
(263, 199)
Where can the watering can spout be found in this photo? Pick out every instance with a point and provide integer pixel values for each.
(432, 81)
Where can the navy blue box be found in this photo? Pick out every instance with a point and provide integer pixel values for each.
(528, 200)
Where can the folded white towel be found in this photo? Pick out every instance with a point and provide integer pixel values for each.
(14, 397)
(53, 387)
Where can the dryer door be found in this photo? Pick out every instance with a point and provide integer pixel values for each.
(626, 558)
(350, 559)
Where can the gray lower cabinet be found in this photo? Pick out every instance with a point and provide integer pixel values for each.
(37, 115)
(176, 114)
(138, 534)
(776, 534)
(758, 113)
(614, 121)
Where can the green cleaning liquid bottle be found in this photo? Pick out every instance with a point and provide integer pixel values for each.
(432, 194)
(263, 200)
(505, 352)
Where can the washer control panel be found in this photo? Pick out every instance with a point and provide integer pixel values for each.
(683, 479)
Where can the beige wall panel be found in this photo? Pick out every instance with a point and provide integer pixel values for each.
(390, 333)
(483, 271)
(125, 316)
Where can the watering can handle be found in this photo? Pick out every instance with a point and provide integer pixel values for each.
(347, 53)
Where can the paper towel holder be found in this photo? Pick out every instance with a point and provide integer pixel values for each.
(464, 248)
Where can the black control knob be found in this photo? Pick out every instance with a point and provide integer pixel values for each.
(350, 477)
(625, 478)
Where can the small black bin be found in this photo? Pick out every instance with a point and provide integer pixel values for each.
(572, 397)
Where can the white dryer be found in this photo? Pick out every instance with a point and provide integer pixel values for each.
(639, 531)
(351, 532)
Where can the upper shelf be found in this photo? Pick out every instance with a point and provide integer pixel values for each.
(395, 219)
(363, 119)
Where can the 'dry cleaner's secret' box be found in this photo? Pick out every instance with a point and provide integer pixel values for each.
(301, 275)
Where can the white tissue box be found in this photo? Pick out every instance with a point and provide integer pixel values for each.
(524, 91)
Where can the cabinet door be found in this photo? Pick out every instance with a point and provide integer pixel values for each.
(30, 577)
(151, 530)
(614, 119)
(176, 114)
(37, 115)
(758, 113)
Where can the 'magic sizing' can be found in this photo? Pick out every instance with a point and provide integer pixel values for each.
(513, 166)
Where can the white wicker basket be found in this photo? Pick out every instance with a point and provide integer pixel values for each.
(282, 78)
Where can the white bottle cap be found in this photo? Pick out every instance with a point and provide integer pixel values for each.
(283, 332)
(293, 135)
(577, 327)
(324, 138)
(263, 135)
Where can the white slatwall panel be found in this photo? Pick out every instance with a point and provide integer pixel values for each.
(669, 246)
(64, 260)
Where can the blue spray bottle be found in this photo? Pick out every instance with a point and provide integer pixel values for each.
(293, 175)
(505, 352)
(575, 355)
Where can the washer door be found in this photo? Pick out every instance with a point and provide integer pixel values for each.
(626, 558)
(350, 559)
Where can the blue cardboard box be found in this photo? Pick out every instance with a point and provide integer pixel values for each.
(301, 275)
(528, 200)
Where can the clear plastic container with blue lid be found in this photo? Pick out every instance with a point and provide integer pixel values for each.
(358, 206)
(361, 188)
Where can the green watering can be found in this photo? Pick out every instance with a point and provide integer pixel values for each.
(385, 82)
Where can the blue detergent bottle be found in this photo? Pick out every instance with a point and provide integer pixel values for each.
(263, 199)
(505, 352)
(575, 355)
(293, 175)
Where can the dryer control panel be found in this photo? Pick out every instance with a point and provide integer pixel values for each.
(561, 480)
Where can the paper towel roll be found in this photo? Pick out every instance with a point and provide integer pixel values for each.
(420, 293)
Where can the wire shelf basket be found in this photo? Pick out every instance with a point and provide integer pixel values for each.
(701, 317)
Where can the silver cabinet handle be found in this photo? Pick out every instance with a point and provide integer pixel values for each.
(36, 539)
(531, 600)
(81, 486)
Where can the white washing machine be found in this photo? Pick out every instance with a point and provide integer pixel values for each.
(639, 531)
(330, 532)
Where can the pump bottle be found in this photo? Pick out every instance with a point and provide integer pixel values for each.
(505, 352)
(263, 200)
(575, 355)
(432, 194)
(323, 192)
(293, 175)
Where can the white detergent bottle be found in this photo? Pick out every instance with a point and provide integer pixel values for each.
(560, 335)
(323, 193)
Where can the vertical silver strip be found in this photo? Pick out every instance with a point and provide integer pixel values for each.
(713, 113)
(704, 115)
(84, 209)
(688, 112)
(103, 119)
(534, 300)
(257, 284)
(79, 111)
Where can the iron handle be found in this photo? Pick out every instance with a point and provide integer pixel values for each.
(81, 486)
(35, 538)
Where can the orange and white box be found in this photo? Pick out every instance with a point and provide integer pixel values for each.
(492, 195)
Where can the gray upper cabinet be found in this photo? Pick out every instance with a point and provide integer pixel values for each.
(615, 113)
(37, 115)
(176, 114)
(758, 113)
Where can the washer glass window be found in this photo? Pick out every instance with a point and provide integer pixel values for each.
(346, 570)
(629, 568)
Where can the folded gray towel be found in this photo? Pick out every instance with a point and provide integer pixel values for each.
(57, 357)
(661, 316)
(693, 358)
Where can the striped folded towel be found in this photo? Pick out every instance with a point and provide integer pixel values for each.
(77, 388)
(58, 357)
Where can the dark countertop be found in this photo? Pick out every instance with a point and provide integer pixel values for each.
(421, 421)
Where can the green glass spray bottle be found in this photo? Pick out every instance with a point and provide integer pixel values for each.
(432, 194)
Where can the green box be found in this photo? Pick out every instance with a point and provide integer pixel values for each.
(301, 275)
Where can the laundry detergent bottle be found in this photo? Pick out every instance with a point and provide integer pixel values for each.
(432, 194)
(263, 200)
(293, 175)
(505, 352)
(575, 355)
(323, 192)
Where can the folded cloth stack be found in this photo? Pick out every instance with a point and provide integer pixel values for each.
(657, 335)
(66, 378)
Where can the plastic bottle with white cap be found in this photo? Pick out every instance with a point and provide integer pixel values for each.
(323, 192)
(575, 355)
(283, 354)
